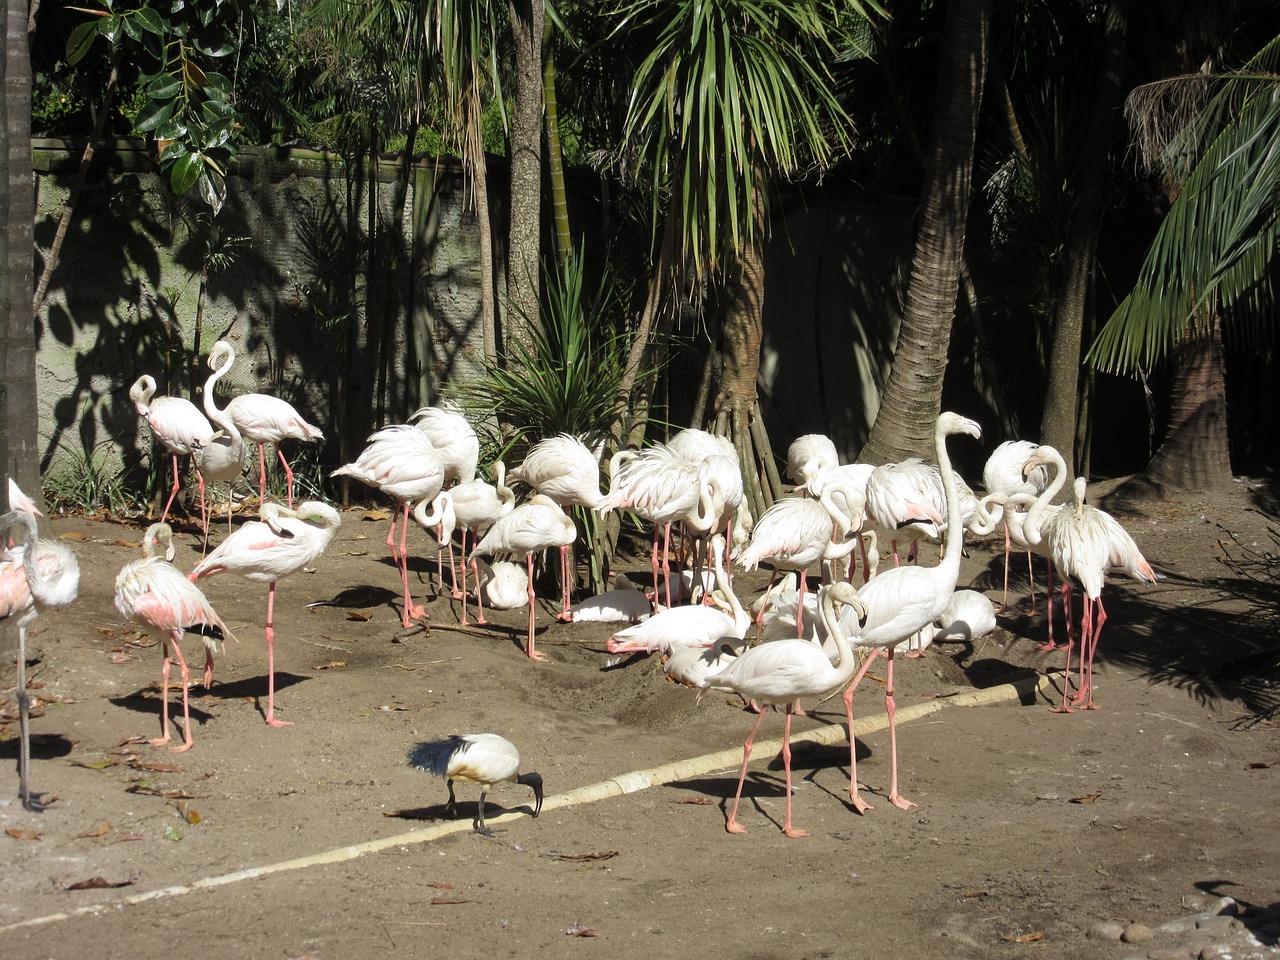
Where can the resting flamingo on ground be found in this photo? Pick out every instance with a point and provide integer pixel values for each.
(503, 585)
(905, 502)
(177, 424)
(222, 459)
(1002, 475)
(625, 603)
(1086, 544)
(152, 593)
(401, 462)
(282, 542)
(794, 534)
(34, 575)
(783, 672)
(563, 469)
(262, 419)
(533, 526)
(692, 626)
(901, 601)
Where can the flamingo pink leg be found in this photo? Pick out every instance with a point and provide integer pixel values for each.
(897, 799)
(564, 616)
(532, 654)
(800, 606)
(732, 824)
(271, 660)
(288, 475)
(164, 698)
(1008, 547)
(855, 798)
(262, 473)
(789, 830)
(453, 566)
(173, 492)
(1048, 597)
(764, 606)
(411, 610)
(475, 569)
(1066, 676)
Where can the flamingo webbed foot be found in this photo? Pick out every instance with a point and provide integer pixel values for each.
(859, 805)
(275, 722)
(733, 826)
(159, 741)
(184, 746)
(537, 655)
(901, 802)
(1048, 645)
(796, 834)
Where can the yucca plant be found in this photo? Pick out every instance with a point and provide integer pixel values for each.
(566, 379)
(83, 482)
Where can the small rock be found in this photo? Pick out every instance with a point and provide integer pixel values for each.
(1169, 953)
(1106, 930)
(1181, 925)
(1217, 925)
(1224, 905)
(1217, 951)
(1137, 933)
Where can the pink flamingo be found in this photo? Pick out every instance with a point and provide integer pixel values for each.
(401, 462)
(262, 419)
(794, 534)
(177, 424)
(222, 459)
(152, 593)
(809, 455)
(456, 442)
(35, 575)
(282, 542)
(1086, 544)
(781, 673)
(900, 601)
(530, 527)
(1003, 475)
(565, 470)
(476, 505)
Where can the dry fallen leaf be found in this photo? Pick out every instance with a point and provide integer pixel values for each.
(1087, 798)
(376, 515)
(359, 616)
(578, 930)
(22, 834)
(101, 830)
(1024, 937)
(442, 901)
(95, 764)
(1260, 765)
(118, 658)
(154, 766)
(332, 665)
(440, 886)
(699, 801)
(75, 535)
(187, 812)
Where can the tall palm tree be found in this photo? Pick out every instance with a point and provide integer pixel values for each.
(1211, 264)
(732, 95)
(18, 434)
(913, 395)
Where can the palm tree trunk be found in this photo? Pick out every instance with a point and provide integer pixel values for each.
(19, 436)
(1195, 455)
(524, 228)
(1061, 404)
(913, 396)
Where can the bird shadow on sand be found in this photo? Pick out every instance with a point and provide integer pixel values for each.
(355, 598)
(147, 701)
(435, 812)
(44, 746)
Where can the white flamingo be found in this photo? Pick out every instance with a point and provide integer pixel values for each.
(456, 442)
(503, 585)
(624, 603)
(782, 673)
(905, 501)
(565, 470)
(152, 593)
(693, 626)
(809, 455)
(1086, 544)
(533, 526)
(282, 542)
(1003, 475)
(902, 600)
(794, 534)
(262, 419)
(222, 459)
(476, 505)
(401, 462)
(34, 575)
(177, 424)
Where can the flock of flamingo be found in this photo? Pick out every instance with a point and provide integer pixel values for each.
(806, 645)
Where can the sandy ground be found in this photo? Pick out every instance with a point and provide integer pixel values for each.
(1032, 828)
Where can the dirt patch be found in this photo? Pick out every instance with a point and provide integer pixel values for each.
(1031, 828)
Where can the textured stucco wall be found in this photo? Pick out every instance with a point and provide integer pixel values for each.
(123, 300)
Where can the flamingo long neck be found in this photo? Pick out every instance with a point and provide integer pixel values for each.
(741, 619)
(954, 549)
(1031, 531)
(848, 663)
(505, 493)
(211, 410)
(30, 541)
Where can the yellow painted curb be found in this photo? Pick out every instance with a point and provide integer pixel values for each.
(614, 787)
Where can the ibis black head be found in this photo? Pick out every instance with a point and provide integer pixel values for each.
(533, 780)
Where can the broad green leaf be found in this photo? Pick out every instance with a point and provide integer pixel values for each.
(184, 173)
(81, 40)
(164, 87)
(150, 21)
(153, 115)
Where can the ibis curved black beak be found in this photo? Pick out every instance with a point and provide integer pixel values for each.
(533, 780)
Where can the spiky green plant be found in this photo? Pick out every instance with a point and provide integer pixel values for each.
(83, 481)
